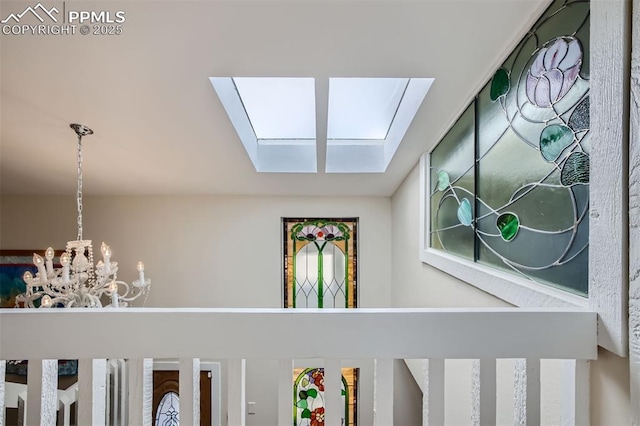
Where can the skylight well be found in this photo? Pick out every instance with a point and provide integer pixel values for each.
(275, 119)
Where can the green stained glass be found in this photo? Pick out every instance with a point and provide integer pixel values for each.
(553, 140)
(518, 160)
(308, 396)
(320, 263)
(508, 225)
(499, 84)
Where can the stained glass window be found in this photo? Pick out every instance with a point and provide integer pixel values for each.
(168, 410)
(308, 395)
(509, 183)
(320, 263)
(320, 271)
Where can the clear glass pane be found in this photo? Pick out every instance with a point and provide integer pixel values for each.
(168, 410)
(279, 108)
(334, 276)
(306, 286)
(363, 108)
(452, 189)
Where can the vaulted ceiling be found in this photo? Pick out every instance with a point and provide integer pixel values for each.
(160, 127)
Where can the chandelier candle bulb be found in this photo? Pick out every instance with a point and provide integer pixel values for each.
(113, 288)
(106, 254)
(64, 261)
(46, 301)
(140, 268)
(39, 262)
(49, 256)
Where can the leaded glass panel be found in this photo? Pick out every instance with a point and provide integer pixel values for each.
(308, 396)
(167, 413)
(320, 263)
(531, 152)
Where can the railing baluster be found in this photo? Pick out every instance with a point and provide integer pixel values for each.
(189, 385)
(332, 392)
(433, 395)
(42, 384)
(92, 377)
(574, 405)
(236, 399)
(533, 392)
(285, 391)
(140, 391)
(3, 365)
(383, 392)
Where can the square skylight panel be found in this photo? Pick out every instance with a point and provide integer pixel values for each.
(363, 108)
(279, 108)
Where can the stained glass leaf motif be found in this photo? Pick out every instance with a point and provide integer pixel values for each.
(553, 71)
(443, 180)
(508, 224)
(303, 394)
(575, 170)
(302, 403)
(553, 140)
(499, 84)
(464, 212)
(312, 393)
(305, 382)
(579, 119)
(306, 414)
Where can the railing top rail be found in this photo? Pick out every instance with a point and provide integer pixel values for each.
(221, 333)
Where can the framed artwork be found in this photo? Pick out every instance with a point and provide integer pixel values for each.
(13, 265)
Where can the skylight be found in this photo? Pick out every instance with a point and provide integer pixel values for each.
(366, 120)
(363, 108)
(279, 108)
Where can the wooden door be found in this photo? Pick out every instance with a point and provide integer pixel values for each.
(165, 381)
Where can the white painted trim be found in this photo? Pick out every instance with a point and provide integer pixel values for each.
(608, 225)
(236, 392)
(383, 392)
(444, 333)
(3, 365)
(92, 397)
(285, 390)
(575, 393)
(216, 383)
(433, 392)
(140, 390)
(634, 218)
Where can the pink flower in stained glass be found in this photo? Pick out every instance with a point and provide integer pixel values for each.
(331, 231)
(318, 380)
(553, 72)
(310, 232)
(317, 417)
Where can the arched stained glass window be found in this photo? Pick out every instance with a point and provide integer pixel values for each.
(308, 395)
(320, 263)
(168, 410)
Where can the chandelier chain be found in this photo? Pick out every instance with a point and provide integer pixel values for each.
(79, 193)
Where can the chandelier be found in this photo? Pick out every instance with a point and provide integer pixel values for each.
(78, 283)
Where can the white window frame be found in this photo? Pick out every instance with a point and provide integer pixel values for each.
(608, 192)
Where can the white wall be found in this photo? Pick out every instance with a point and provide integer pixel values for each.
(416, 284)
(210, 251)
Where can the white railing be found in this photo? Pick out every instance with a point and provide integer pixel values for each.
(235, 335)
